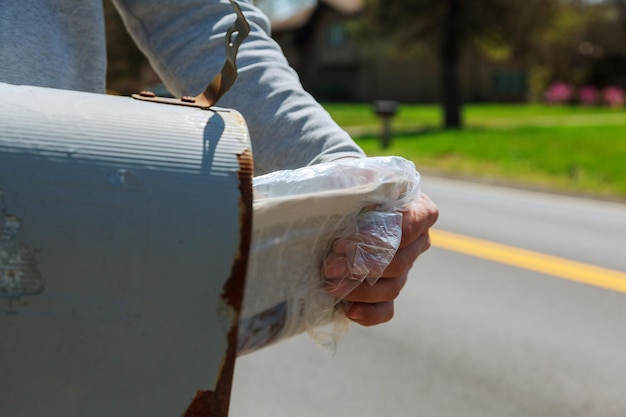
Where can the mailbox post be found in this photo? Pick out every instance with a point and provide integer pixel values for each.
(386, 109)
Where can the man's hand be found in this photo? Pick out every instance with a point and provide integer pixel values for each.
(373, 304)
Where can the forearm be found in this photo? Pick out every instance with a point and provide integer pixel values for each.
(185, 44)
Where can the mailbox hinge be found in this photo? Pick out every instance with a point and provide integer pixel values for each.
(223, 80)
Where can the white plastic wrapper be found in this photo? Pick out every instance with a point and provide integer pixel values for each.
(316, 227)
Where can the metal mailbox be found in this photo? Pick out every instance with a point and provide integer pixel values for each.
(124, 233)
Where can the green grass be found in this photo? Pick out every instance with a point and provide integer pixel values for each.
(568, 149)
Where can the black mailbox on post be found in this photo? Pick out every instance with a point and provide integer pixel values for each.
(386, 109)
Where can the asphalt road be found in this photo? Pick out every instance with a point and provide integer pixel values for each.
(473, 336)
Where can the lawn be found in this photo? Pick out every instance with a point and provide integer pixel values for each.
(560, 148)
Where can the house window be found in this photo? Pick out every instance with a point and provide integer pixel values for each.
(509, 82)
(335, 35)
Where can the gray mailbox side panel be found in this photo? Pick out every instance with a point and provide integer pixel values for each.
(121, 264)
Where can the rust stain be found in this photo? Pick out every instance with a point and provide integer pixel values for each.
(216, 403)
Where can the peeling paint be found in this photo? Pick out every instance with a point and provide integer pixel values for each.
(19, 274)
(123, 178)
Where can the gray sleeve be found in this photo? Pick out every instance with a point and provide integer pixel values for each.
(184, 41)
(56, 44)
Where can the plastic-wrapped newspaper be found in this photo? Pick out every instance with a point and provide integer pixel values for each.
(346, 212)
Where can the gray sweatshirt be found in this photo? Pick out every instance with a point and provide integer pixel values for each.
(60, 44)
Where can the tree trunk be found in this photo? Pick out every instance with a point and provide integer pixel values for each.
(621, 8)
(450, 56)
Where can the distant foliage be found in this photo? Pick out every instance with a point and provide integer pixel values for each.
(504, 28)
(613, 97)
(560, 92)
(588, 95)
(585, 45)
(128, 70)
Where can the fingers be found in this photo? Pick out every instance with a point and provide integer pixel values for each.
(417, 219)
(406, 257)
(416, 222)
(370, 314)
(385, 289)
(369, 305)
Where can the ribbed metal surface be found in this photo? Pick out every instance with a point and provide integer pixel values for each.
(128, 214)
(117, 131)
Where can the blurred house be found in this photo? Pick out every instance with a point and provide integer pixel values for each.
(332, 66)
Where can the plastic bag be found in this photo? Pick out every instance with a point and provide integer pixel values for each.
(336, 223)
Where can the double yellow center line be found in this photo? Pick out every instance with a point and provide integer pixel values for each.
(534, 261)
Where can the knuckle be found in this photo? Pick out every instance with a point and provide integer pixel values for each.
(427, 243)
(394, 289)
(430, 209)
(401, 263)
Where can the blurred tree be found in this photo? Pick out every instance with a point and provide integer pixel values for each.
(450, 26)
(586, 44)
(620, 5)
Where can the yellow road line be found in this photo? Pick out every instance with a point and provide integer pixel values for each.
(534, 261)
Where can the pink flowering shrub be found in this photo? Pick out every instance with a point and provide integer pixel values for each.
(613, 96)
(559, 93)
(588, 95)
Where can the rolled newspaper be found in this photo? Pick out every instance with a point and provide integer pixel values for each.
(297, 216)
